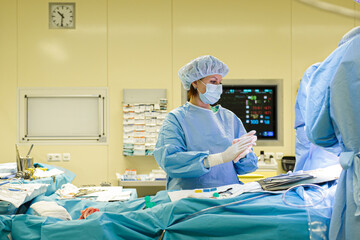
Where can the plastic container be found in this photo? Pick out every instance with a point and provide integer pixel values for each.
(26, 162)
(261, 157)
(288, 163)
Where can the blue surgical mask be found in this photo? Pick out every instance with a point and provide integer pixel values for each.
(212, 93)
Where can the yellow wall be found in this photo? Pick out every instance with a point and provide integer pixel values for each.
(141, 44)
(8, 79)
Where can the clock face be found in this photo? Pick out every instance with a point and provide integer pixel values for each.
(62, 15)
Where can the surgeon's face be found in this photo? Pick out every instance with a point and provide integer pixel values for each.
(212, 79)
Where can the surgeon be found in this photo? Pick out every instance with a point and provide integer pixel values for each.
(332, 115)
(200, 146)
(308, 155)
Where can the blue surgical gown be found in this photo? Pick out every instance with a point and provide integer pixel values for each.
(308, 155)
(188, 135)
(333, 115)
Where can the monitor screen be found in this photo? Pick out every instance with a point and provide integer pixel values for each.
(255, 105)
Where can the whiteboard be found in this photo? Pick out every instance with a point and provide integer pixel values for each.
(63, 116)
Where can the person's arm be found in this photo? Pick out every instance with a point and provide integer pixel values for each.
(319, 128)
(247, 164)
(171, 152)
(247, 161)
(345, 98)
(318, 120)
(239, 149)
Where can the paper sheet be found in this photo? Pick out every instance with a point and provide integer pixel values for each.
(43, 174)
(8, 167)
(26, 193)
(107, 194)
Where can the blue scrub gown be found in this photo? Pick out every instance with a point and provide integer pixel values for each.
(310, 156)
(333, 115)
(188, 135)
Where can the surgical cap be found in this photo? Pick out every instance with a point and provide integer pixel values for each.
(349, 35)
(201, 67)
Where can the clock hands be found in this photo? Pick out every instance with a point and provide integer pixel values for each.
(62, 17)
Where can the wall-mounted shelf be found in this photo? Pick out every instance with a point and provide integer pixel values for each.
(144, 111)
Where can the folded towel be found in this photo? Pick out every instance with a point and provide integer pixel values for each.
(50, 209)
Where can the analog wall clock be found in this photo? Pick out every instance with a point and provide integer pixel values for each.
(61, 15)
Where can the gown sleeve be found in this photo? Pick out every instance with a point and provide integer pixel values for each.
(319, 128)
(333, 104)
(171, 152)
(345, 97)
(247, 164)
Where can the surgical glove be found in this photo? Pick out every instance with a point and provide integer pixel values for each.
(229, 154)
(245, 139)
(247, 151)
(245, 136)
(242, 155)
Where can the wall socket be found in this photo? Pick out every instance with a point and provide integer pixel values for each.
(279, 155)
(54, 157)
(66, 157)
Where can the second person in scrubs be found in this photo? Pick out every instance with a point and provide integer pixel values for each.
(200, 146)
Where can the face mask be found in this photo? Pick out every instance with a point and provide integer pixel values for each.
(212, 93)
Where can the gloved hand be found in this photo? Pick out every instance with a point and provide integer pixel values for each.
(241, 155)
(245, 136)
(247, 151)
(231, 153)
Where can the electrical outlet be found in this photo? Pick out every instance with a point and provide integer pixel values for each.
(279, 155)
(54, 157)
(66, 157)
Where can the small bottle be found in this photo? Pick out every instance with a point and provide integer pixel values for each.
(272, 159)
(267, 158)
(261, 157)
(126, 175)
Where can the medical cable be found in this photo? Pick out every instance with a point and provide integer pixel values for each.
(317, 229)
(219, 206)
(323, 195)
(3, 185)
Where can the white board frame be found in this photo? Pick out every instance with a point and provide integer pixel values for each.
(99, 133)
